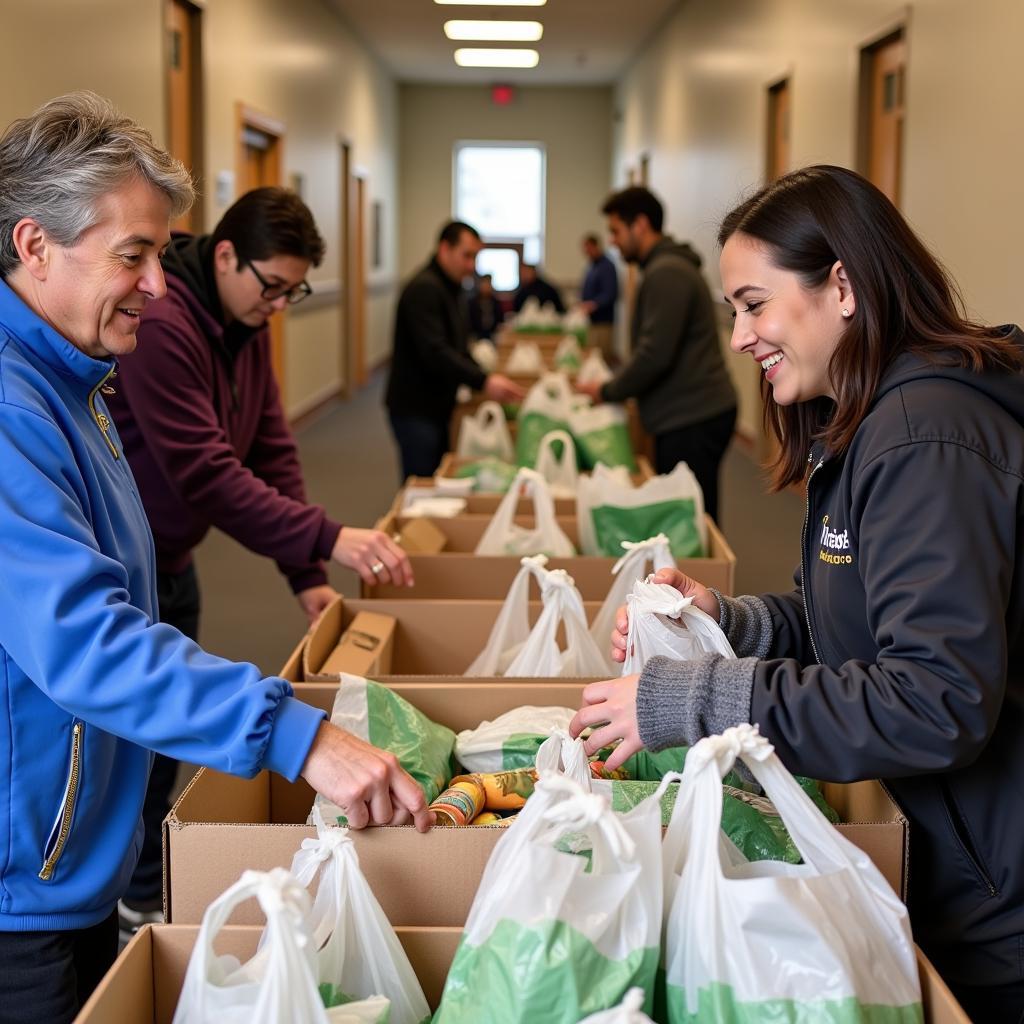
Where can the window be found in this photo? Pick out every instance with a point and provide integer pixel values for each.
(499, 189)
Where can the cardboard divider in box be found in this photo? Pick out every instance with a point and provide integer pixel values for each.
(144, 984)
(222, 825)
(455, 540)
(398, 638)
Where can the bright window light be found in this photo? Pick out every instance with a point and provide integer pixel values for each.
(503, 31)
(481, 57)
(499, 189)
(493, 3)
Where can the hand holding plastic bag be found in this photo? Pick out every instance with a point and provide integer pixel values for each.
(846, 951)
(358, 954)
(278, 986)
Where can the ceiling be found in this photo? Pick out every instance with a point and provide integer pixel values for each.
(586, 42)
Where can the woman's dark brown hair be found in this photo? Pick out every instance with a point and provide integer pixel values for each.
(906, 301)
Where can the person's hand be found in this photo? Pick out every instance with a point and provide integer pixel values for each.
(500, 388)
(314, 600)
(592, 390)
(368, 784)
(611, 708)
(364, 550)
(702, 598)
(587, 307)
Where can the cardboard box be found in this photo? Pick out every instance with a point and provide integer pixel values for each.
(144, 984)
(457, 572)
(222, 825)
(431, 638)
(364, 648)
(419, 536)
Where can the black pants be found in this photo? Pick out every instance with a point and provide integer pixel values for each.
(178, 596)
(701, 446)
(47, 976)
(1002, 1004)
(422, 443)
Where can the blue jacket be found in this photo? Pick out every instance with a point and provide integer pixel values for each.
(601, 285)
(89, 682)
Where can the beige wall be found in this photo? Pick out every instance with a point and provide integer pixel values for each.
(573, 124)
(695, 101)
(296, 62)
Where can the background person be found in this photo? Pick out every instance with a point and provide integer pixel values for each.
(675, 370)
(199, 413)
(91, 682)
(485, 312)
(900, 653)
(533, 286)
(431, 359)
(599, 293)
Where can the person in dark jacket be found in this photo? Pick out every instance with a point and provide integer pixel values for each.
(900, 653)
(200, 417)
(675, 370)
(431, 359)
(598, 295)
(485, 312)
(533, 286)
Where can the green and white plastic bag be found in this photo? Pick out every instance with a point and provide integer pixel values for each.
(641, 558)
(609, 512)
(511, 740)
(594, 369)
(485, 433)
(503, 536)
(554, 936)
(489, 475)
(576, 322)
(664, 623)
(568, 354)
(556, 462)
(278, 985)
(358, 954)
(825, 941)
(381, 717)
(525, 360)
(602, 436)
(547, 406)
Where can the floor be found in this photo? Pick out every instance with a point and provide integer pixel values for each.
(351, 469)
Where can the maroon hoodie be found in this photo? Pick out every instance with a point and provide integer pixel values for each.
(200, 419)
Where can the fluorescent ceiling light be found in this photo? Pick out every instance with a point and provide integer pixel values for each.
(504, 31)
(473, 57)
(494, 3)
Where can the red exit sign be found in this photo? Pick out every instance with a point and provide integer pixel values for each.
(502, 95)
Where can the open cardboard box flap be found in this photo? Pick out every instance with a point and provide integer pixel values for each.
(222, 825)
(145, 982)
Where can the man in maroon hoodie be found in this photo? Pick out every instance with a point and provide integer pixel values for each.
(200, 419)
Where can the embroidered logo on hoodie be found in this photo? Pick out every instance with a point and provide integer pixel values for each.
(835, 546)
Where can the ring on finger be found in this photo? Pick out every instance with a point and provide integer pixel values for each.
(377, 568)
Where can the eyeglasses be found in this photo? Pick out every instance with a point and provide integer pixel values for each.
(271, 292)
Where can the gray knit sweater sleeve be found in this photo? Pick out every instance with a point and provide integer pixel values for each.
(747, 624)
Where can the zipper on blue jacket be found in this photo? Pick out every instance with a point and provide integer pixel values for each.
(103, 421)
(803, 551)
(62, 826)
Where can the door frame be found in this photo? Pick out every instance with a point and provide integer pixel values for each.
(197, 136)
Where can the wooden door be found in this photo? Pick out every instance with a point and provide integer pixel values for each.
(259, 161)
(183, 27)
(360, 374)
(883, 85)
(353, 272)
(778, 155)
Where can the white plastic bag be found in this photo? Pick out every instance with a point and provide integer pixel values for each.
(529, 314)
(560, 473)
(594, 369)
(663, 622)
(541, 657)
(550, 937)
(485, 355)
(512, 626)
(525, 360)
(568, 354)
(278, 986)
(641, 558)
(629, 1011)
(609, 512)
(434, 506)
(560, 754)
(504, 537)
(485, 432)
(358, 954)
(506, 742)
(839, 936)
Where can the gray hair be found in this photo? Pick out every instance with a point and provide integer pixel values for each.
(56, 164)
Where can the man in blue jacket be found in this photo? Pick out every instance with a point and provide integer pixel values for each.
(90, 681)
(598, 295)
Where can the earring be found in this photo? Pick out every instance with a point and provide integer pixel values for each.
(846, 313)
